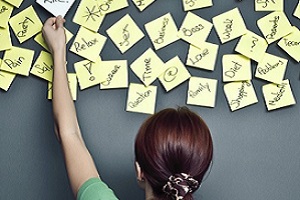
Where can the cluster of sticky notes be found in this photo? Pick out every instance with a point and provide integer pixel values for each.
(162, 31)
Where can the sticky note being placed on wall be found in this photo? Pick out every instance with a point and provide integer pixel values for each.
(88, 44)
(162, 31)
(43, 66)
(240, 94)
(202, 92)
(6, 78)
(274, 26)
(236, 68)
(148, 67)
(141, 99)
(297, 11)
(291, 44)
(5, 13)
(26, 24)
(194, 4)
(56, 7)
(175, 74)
(278, 95)
(115, 73)
(89, 15)
(5, 39)
(88, 73)
(271, 68)
(142, 4)
(269, 5)
(125, 33)
(203, 57)
(252, 46)
(229, 25)
(40, 40)
(194, 29)
(72, 79)
(17, 60)
(15, 3)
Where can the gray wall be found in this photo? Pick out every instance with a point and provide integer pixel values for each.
(256, 152)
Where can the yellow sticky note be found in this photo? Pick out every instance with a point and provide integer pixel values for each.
(194, 4)
(229, 25)
(142, 4)
(40, 39)
(278, 95)
(26, 24)
(72, 86)
(17, 60)
(236, 68)
(5, 39)
(269, 5)
(6, 78)
(291, 44)
(141, 99)
(271, 68)
(108, 6)
(88, 73)
(88, 44)
(175, 74)
(15, 3)
(297, 11)
(252, 46)
(274, 26)
(240, 94)
(203, 57)
(5, 13)
(115, 73)
(89, 15)
(202, 92)
(148, 67)
(162, 31)
(43, 66)
(125, 33)
(194, 29)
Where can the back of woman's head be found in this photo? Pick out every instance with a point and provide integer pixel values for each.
(174, 150)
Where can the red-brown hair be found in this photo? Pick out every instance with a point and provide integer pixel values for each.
(170, 142)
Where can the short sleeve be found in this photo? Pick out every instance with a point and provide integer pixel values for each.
(95, 189)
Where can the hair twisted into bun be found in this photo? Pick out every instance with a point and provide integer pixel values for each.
(174, 150)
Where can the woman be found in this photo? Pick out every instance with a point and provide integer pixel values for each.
(173, 147)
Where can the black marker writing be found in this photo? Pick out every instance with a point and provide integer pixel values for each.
(126, 36)
(88, 67)
(14, 63)
(140, 3)
(141, 97)
(254, 41)
(148, 69)
(278, 95)
(268, 67)
(24, 25)
(191, 3)
(265, 2)
(233, 70)
(3, 9)
(170, 74)
(162, 32)
(199, 56)
(200, 89)
(290, 43)
(105, 6)
(241, 94)
(44, 68)
(111, 75)
(274, 28)
(228, 28)
(91, 13)
(86, 44)
(189, 32)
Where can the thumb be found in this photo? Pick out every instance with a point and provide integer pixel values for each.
(60, 22)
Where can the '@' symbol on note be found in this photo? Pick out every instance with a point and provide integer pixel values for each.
(254, 42)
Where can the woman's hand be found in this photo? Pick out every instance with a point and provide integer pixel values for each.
(54, 34)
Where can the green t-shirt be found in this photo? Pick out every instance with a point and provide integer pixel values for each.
(95, 189)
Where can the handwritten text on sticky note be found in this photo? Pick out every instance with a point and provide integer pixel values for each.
(115, 73)
(194, 4)
(56, 7)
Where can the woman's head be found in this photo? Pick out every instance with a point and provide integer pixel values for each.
(174, 150)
